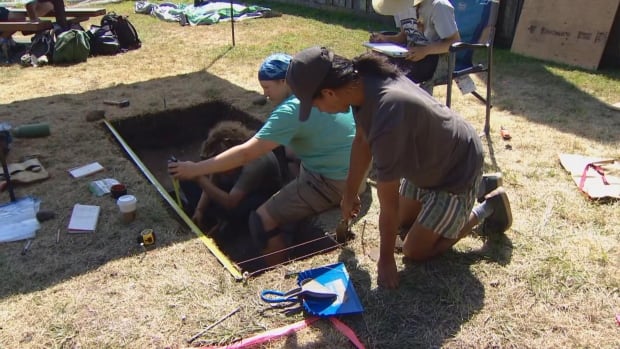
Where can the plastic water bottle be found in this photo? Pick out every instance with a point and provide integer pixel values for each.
(32, 130)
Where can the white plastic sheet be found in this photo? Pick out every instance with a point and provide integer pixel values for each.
(18, 220)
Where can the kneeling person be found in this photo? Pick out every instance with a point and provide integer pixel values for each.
(228, 197)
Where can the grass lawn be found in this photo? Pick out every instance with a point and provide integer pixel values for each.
(552, 281)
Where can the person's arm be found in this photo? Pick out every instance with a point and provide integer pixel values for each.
(228, 200)
(231, 158)
(400, 38)
(443, 21)
(417, 53)
(358, 164)
(200, 208)
(387, 192)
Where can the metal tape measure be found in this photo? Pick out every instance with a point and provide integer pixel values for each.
(147, 237)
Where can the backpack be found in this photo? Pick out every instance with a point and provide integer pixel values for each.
(42, 44)
(103, 41)
(72, 46)
(123, 29)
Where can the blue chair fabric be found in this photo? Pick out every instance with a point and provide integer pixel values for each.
(475, 20)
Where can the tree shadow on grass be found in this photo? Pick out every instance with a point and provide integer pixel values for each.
(56, 256)
(522, 86)
(535, 90)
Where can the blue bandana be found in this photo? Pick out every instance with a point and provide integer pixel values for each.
(274, 67)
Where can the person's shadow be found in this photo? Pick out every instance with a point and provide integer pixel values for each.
(433, 301)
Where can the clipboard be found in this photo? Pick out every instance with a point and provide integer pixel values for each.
(387, 48)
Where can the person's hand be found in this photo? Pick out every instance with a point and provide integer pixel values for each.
(183, 170)
(417, 53)
(377, 37)
(350, 207)
(387, 273)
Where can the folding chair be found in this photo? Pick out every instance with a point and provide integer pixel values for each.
(475, 20)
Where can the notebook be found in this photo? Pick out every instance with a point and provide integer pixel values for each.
(387, 48)
(86, 170)
(84, 218)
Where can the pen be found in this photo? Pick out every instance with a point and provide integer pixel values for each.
(27, 247)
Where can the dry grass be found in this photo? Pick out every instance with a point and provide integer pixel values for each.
(551, 282)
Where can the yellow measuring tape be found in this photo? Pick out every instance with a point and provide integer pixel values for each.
(211, 245)
(177, 191)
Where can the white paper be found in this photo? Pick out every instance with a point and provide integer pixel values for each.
(84, 218)
(86, 170)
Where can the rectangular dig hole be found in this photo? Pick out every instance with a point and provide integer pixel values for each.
(154, 138)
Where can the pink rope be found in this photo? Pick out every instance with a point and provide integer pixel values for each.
(286, 330)
(269, 335)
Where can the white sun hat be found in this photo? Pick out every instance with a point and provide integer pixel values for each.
(392, 7)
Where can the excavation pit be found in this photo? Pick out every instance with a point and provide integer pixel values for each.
(154, 138)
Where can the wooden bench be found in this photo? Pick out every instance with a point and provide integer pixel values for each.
(25, 26)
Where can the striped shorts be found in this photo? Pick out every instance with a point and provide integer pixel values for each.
(442, 212)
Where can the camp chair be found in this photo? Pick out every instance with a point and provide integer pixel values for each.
(475, 20)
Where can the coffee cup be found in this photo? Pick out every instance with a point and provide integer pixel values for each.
(127, 204)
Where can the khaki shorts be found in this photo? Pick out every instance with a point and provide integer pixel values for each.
(304, 196)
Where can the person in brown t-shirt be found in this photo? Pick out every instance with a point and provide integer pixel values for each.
(428, 160)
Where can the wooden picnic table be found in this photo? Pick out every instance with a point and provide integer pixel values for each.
(74, 15)
(71, 12)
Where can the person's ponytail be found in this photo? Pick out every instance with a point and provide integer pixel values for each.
(374, 64)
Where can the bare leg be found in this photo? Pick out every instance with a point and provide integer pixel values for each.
(275, 243)
(274, 252)
(31, 11)
(60, 13)
(408, 211)
(422, 243)
(268, 222)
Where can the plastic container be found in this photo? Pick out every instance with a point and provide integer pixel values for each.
(118, 190)
(127, 204)
(32, 130)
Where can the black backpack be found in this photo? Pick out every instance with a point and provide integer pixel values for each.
(123, 29)
(42, 44)
(103, 41)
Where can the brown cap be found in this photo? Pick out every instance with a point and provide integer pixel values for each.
(305, 74)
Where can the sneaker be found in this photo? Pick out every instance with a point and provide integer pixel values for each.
(490, 182)
(501, 219)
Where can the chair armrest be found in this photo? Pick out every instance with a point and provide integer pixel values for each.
(459, 46)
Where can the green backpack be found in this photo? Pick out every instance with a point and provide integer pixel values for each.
(72, 46)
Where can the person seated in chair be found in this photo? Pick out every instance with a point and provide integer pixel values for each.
(427, 29)
(229, 197)
(323, 145)
(38, 8)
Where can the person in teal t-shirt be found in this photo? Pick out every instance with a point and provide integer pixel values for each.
(322, 144)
